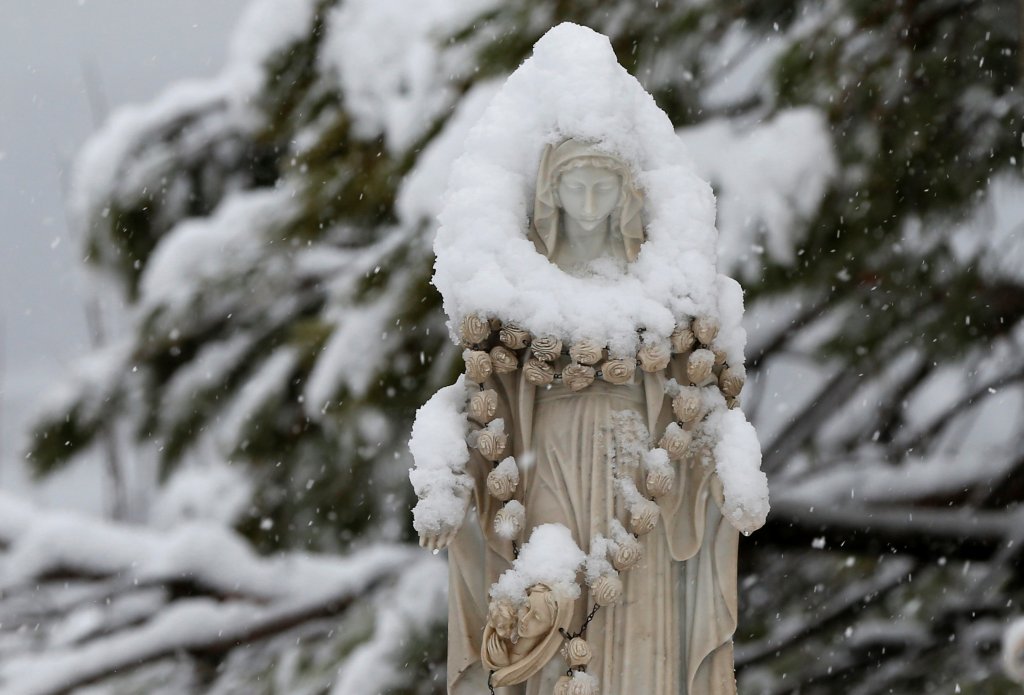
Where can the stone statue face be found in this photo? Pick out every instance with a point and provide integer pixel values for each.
(538, 615)
(588, 194)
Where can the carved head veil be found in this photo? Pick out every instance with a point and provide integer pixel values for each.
(627, 223)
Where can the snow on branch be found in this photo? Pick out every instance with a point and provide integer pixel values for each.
(248, 597)
(919, 532)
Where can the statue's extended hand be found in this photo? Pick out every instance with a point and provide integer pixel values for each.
(497, 650)
(437, 541)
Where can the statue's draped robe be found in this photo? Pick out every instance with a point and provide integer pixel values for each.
(672, 632)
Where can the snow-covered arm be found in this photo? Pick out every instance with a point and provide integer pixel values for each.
(707, 375)
(737, 459)
(439, 476)
(741, 488)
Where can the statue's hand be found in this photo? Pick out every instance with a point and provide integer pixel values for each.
(497, 650)
(437, 541)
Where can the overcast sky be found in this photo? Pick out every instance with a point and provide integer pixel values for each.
(49, 49)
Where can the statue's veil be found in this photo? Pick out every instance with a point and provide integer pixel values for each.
(627, 222)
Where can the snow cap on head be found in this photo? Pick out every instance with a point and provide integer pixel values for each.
(573, 88)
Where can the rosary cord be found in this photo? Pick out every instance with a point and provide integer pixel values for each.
(583, 627)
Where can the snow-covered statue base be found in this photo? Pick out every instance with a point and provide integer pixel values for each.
(592, 469)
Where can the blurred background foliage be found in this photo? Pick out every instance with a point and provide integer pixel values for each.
(269, 234)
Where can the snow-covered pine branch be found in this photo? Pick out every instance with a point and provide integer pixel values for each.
(115, 598)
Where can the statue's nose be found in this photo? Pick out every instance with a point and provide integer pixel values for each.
(590, 203)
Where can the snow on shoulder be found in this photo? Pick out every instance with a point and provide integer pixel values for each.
(573, 87)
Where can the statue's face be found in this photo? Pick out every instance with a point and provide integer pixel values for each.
(537, 616)
(588, 194)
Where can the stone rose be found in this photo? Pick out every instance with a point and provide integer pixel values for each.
(508, 522)
(705, 328)
(660, 481)
(491, 444)
(607, 590)
(720, 356)
(586, 351)
(676, 441)
(538, 373)
(547, 348)
(627, 554)
(514, 337)
(687, 404)
(504, 618)
(618, 371)
(474, 329)
(577, 652)
(583, 684)
(503, 360)
(501, 484)
(643, 517)
(483, 406)
(682, 338)
(478, 365)
(731, 381)
(578, 377)
(732, 403)
(699, 365)
(654, 356)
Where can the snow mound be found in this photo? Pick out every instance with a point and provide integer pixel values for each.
(573, 86)
(737, 456)
(440, 453)
(550, 557)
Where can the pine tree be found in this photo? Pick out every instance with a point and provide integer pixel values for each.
(270, 232)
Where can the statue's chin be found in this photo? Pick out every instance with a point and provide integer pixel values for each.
(590, 225)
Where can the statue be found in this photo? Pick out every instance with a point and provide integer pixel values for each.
(596, 519)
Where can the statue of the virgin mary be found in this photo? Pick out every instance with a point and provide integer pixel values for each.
(598, 427)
